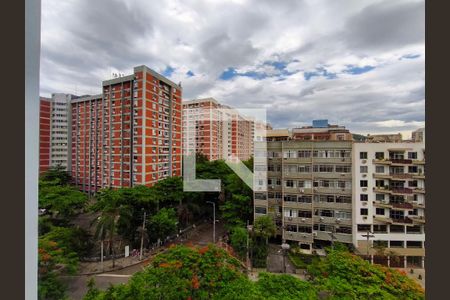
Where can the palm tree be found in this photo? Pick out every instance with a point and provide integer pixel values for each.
(112, 211)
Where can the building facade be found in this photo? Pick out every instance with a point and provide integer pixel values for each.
(130, 134)
(321, 131)
(45, 110)
(216, 131)
(54, 120)
(389, 202)
(309, 191)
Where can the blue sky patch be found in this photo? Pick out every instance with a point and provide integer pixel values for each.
(320, 72)
(358, 70)
(190, 73)
(168, 71)
(228, 74)
(409, 56)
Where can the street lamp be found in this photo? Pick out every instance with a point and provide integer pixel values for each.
(142, 236)
(214, 220)
(249, 229)
(285, 247)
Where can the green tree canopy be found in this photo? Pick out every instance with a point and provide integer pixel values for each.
(264, 227)
(163, 223)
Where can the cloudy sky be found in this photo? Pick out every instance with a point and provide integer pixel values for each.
(357, 63)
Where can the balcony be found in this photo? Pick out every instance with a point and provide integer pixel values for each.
(419, 190)
(300, 205)
(398, 161)
(298, 236)
(331, 220)
(417, 219)
(298, 220)
(401, 190)
(404, 220)
(332, 205)
(405, 205)
(382, 204)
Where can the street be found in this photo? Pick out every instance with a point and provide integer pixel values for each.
(77, 285)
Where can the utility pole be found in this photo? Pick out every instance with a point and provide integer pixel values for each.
(247, 257)
(214, 220)
(368, 236)
(142, 237)
(101, 254)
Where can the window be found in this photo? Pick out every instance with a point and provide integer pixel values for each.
(343, 169)
(397, 214)
(363, 183)
(380, 228)
(289, 183)
(343, 215)
(363, 228)
(412, 183)
(383, 244)
(304, 214)
(305, 229)
(413, 244)
(379, 197)
(364, 211)
(304, 169)
(396, 244)
(291, 228)
(379, 169)
(379, 183)
(260, 210)
(364, 197)
(363, 169)
(343, 229)
(304, 153)
(379, 211)
(363, 155)
(412, 169)
(379, 155)
(412, 155)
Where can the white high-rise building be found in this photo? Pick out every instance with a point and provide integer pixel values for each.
(389, 202)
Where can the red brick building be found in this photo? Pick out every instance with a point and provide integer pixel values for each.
(216, 131)
(129, 135)
(44, 134)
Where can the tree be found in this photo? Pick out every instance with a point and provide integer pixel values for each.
(236, 211)
(112, 211)
(53, 260)
(56, 175)
(163, 223)
(264, 227)
(347, 276)
(61, 201)
(238, 239)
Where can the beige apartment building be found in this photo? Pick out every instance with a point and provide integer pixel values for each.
(309, 191)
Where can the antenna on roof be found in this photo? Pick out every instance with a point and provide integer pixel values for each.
(179, 83)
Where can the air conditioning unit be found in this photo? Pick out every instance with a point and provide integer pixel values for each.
(302, 190)
(342, 174)
(314, 233)
(338, 220)
(290, 218)
(364, 203)
(364, 217)
(364, 175)
(321, 219)
(364, 161)
(303, 219)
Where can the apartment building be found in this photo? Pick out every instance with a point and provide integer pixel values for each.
(321, 130)
(418, 135)
(130, 134)
(54, 138)
(309, 191)
(384, 138)
(45, 110)
(216, 130)
(389, 203)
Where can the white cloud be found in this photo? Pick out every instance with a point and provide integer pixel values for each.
(82, 41)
